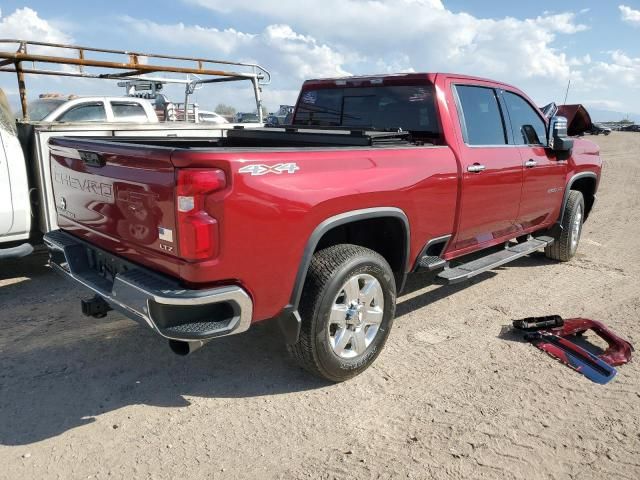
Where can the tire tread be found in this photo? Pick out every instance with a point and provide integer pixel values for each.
(560, 249)
(324, 265)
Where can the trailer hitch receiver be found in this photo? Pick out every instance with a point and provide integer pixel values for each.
(95, 307)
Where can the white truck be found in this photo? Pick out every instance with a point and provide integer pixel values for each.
(92, 109)
(27, 208)
(15, 205)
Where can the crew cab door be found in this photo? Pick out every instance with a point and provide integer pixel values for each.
(544, 173)
(491, 168)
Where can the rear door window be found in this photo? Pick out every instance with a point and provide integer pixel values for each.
(87, 112)
(480, 117)
(528, 126)
(128, 112)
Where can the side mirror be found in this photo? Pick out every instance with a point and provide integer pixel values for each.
(559, 141)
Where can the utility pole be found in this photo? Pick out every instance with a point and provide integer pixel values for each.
(567, 92)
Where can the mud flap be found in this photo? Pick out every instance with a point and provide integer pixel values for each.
(290, 322)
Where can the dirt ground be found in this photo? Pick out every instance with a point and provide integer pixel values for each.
(449, 397)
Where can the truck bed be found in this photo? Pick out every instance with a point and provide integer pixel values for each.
(35, 137)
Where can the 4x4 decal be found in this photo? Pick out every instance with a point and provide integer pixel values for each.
(260, 169)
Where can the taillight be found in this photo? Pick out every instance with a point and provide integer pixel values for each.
(197, 230)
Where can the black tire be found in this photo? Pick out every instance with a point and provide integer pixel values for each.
(566, 243)
(330, 269)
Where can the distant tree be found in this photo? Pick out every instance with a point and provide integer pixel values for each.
(225, 110)
(265, 111)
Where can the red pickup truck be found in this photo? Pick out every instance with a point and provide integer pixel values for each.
(319, 223)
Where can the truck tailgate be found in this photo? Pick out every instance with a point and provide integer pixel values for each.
(121, 198)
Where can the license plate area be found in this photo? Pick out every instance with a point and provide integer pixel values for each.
(104, 265)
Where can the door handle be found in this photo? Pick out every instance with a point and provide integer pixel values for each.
(530, 163)
(475, 168)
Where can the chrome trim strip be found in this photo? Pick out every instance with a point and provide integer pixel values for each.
(133, 300)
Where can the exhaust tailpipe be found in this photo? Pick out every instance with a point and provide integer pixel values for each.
(184, 348)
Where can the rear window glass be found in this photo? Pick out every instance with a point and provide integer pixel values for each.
(410, 108)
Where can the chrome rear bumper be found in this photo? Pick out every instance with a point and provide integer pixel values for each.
(154, 300)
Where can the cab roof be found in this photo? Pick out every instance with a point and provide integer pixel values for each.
(397, 78)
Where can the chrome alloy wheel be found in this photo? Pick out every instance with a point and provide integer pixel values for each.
(575, 228)
(356, 315)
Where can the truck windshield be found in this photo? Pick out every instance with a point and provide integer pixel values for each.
(39, 109)
(410, 108)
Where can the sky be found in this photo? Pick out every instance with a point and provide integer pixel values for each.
(536, 46)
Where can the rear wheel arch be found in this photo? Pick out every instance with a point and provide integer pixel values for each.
(392, 241)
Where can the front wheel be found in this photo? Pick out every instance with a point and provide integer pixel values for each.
(347, 309)
(566, 243)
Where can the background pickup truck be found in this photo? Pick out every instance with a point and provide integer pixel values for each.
(319, 224)
(92, 109)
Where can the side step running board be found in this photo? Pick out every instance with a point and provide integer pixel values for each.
(467, 270)
(430, 262)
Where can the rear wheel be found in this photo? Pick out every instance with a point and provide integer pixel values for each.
(347, 310)
(566, 243)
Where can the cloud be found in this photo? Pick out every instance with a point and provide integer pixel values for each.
(620, 72)
(605, 104)
(289, 53)
(302, 54)
(223, 41)
(580, 61)
(298, 40)
(290, 56)
(419, 35)
(26, 24)
(630, 15)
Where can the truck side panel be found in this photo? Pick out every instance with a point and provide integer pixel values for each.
(266, 220)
